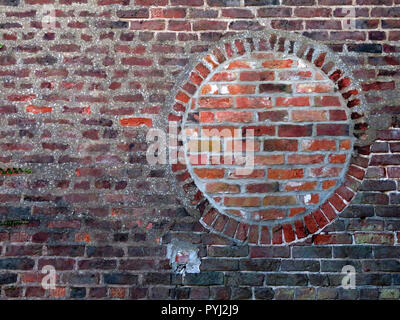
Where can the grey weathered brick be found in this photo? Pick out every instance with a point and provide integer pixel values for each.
(7, 278)
(204, 278)
(286, 279)
(264, 293)
(312, 252)
(260, 265)
(300, 265)
(352, 252)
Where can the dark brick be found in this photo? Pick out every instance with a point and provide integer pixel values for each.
(251, 279)
(366, 47)
(270, 252)
(387, 211)
(241, 293)
(231, 251)
(264, 293)
(378, 185)
(13, 3)
(371, 198)
(211, 264)
(260, 2)
(17, 263)
(106, 251)
(204, 278)
(337, 265)
(352, 252)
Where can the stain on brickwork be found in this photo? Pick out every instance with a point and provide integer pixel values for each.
(78, 99)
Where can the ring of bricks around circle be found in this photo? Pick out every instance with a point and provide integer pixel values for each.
(300, 227)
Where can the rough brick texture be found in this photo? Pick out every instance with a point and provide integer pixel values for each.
(81, 91)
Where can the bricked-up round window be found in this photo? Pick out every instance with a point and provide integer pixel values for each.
(290, 110)
(302, 143)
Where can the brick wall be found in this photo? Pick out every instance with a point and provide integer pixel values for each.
(83, 82)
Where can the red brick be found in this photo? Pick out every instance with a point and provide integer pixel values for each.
(337, 115)
(277, 235)
(320, 239)
(337, 158)
(327, 184)
(337, 202)
(239, 64)
(265, 237)
(328, 211)
(206, 117)
(262, 187)
(325, 172)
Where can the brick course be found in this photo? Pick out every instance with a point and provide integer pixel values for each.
(78, 100)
